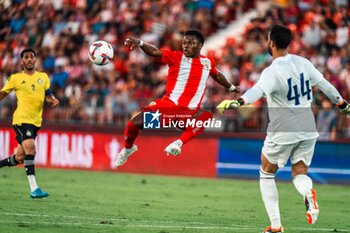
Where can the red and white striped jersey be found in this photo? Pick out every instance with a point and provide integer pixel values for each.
(187, 78)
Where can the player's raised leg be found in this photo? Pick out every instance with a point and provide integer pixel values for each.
(131, 132)
(10, 161)
(174, 148)
(15, 159)
(269, 194)
(301, 160)
(28, 146)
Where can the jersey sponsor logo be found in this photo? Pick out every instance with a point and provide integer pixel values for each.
(40, 81)
(151, 120)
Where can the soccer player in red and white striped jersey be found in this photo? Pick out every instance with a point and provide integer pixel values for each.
(185, 87)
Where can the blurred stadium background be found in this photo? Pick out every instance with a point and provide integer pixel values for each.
(86, 131)
(97, 101)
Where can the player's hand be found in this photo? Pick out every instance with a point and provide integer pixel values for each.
(132, 42)
(345, 108)
(228, 104)
(54, 102)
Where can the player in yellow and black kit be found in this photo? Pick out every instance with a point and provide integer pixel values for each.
(32, 89)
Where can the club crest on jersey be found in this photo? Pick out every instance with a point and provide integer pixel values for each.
(40, 81)
(28, 133)
(206, 64)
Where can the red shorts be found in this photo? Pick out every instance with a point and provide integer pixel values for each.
(169, 110)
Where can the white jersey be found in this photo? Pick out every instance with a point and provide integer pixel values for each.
(286, 84)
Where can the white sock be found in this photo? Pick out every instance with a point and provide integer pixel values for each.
(269, 195)
(32, 182)
(303, 184)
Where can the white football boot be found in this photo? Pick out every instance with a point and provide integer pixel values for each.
(174, 148)
(124, 155)
(312, 209)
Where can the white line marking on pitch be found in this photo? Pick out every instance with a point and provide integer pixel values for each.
(112, 219)
(160, 226)
(178, 226)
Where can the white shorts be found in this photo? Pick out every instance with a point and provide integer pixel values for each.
(279, 154)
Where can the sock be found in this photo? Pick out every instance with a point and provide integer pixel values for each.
(30, 170)
(192, 132)
(303, 184)
(269, 195)
(131, 132)
(10, 161)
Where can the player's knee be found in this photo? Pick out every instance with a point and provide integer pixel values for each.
(30, 150)
(299, 168)
(19, 158)
(267, 166)
(136, 121)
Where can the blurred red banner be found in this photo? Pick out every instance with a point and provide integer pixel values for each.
(97, 151)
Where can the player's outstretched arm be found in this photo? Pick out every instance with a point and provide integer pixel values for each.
(149, 49)
(220, 78)
(3, 94)
(51, 99)
(249, 97)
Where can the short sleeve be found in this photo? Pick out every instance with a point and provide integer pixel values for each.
(168, 56)
(47, 82)
(213, 70)
(9, 85)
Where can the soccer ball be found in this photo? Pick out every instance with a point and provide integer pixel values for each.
(100, 52)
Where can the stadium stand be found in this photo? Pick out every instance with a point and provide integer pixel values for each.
(61, 31)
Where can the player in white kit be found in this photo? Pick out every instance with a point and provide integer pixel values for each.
(291, 132)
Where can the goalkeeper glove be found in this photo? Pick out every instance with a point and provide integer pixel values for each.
(344, 108)
(229, 104)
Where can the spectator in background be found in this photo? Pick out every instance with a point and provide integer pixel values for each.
(312, 35)
(59, 78)
(326, 122)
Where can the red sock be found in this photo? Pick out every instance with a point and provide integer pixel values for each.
(131, 132)
(192, 132)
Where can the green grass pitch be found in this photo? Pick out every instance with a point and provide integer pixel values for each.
(83, 201)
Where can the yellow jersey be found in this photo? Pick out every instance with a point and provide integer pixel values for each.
(30, 93)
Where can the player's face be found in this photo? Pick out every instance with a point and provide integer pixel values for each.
(190, 46)
(28, 61)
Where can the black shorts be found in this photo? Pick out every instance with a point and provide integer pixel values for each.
(25, 131)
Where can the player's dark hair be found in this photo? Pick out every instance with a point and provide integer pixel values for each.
(196, 34)
(26, 51)
(281, 36)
